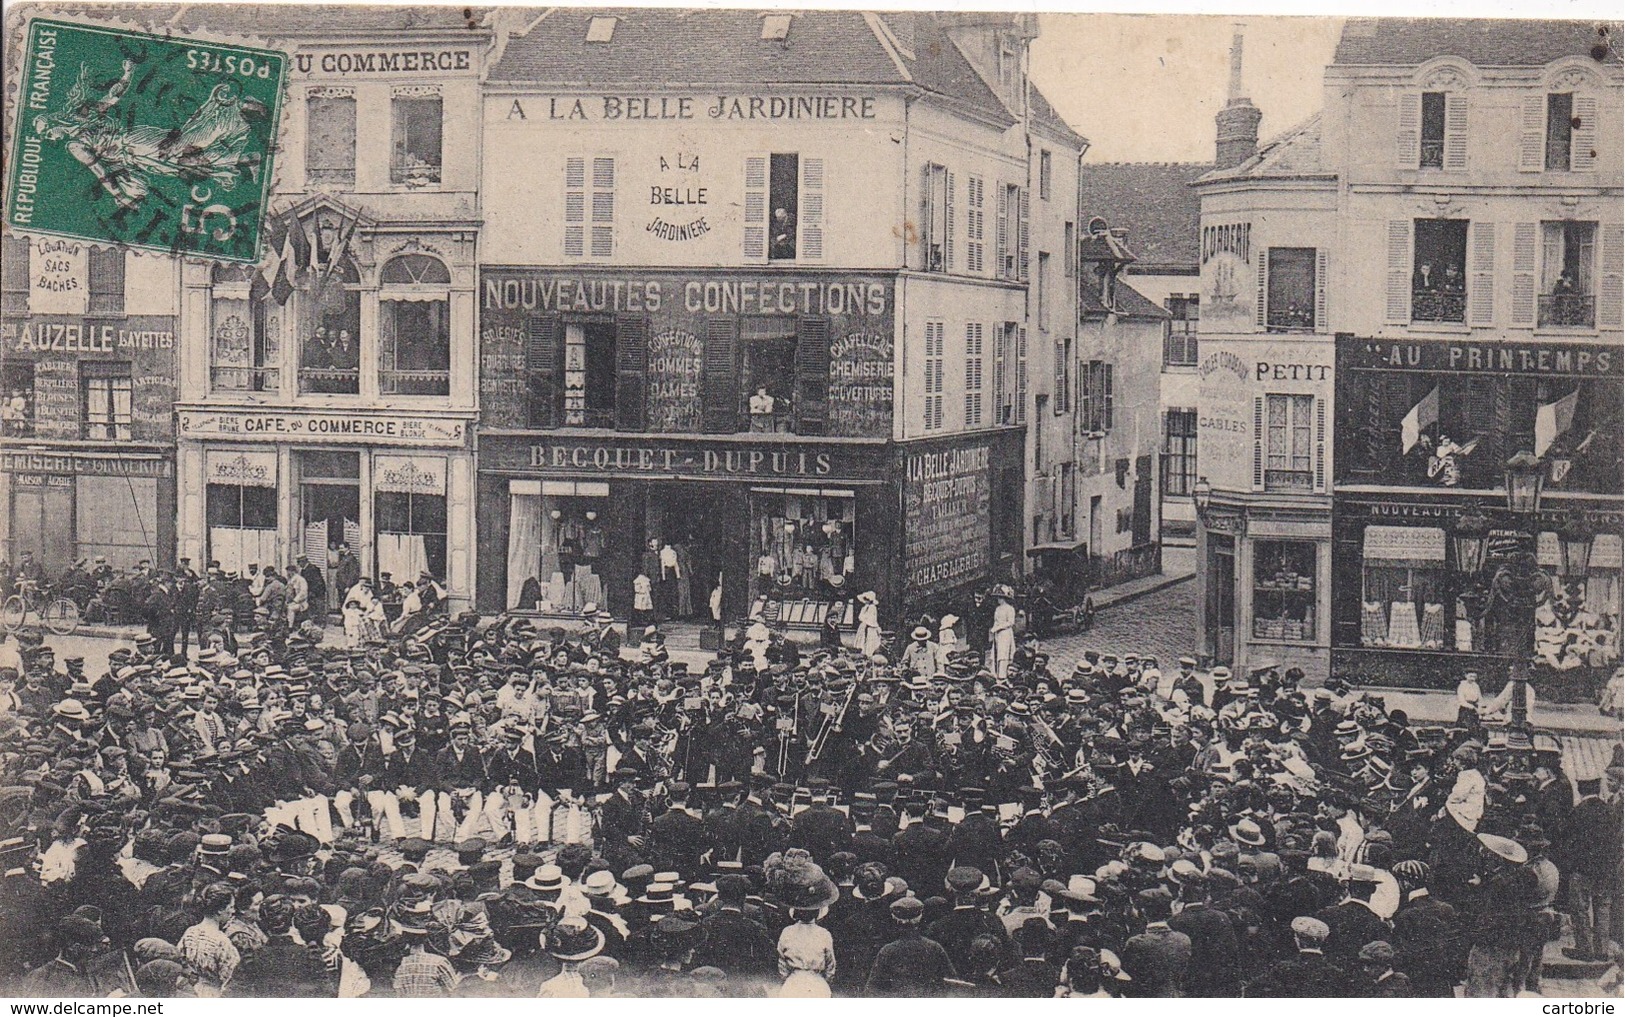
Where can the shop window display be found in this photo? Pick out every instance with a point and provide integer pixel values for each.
(803, 557)
(556, 543)
(1579, 625)
(770, 371)
(1404, 589)
(1284, 590)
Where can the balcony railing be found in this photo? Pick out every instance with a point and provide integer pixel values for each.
(415, 382)
(1291, 319)
(244, 379)
(1433, 153)
(1433, 305)
(1289, 480)
(1570, 310)
(330, 380)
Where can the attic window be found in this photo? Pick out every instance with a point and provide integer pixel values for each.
(601, 28)
(776, 27)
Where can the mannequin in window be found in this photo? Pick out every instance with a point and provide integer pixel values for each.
(761, 410)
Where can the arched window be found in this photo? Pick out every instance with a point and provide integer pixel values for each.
(243, 350)
(330, 350)
(414, 326)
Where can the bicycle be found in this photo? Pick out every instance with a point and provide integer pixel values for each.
(59, 614)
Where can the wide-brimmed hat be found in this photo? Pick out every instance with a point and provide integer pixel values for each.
(1247, 831)
(71, 709)
(547, 877)
(868, 597)
(808, 889)
(573, 939)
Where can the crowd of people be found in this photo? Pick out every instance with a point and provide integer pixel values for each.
(498, 808)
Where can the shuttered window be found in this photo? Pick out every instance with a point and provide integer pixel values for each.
(544, 365)
(1481, 287)
(935, 339)
(755, 210)
(1525, 254)
(812, 375)
(975, 347)
(975, 225)
(719, 388)
(631, 368)
(812, 210)
(1609, 292)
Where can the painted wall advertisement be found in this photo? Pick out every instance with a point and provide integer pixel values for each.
(947, 522)
(43, 358)
(1236, 379)
(1229, 278)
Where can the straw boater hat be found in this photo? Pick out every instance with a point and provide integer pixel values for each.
(573, 940)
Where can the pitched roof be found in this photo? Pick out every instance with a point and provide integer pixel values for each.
(1483, 42)
(936, 63)
(1131, 303)
(1154, 202)
(1294, 152)
(657, 46)
(1045, 116)
(261, 21)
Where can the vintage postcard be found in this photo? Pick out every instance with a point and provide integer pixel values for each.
(587, 502)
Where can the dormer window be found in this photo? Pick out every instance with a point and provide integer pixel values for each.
(601, 28)
(776, 27)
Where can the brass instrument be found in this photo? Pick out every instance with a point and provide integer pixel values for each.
(832, 721)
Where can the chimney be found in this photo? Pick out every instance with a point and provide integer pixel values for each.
(1238, 121)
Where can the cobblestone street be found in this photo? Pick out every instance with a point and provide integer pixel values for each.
(1163, 622)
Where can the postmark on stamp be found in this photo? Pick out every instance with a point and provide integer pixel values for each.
(149, 142)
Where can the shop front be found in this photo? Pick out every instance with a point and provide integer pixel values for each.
(87, 438)
(1449, 584)
(783, 528)
(264, 487)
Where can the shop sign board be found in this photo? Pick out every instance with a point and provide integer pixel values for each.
(947, 518)
(1499, 356)
(85, 465)
(691, 460)
(336, 426)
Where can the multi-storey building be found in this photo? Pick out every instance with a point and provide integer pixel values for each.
(87, 392)
(1464, 281)
(754, 309)
(327, 398)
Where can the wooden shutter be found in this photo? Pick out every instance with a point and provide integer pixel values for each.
(719, 389)
(544, 363)
(1398, 310)
(1003, 268)
(1321, 281)
(575, 207)
(812, 209)
(106, 268)
(1608, 295)
(1525, 255)
(1532, 134)
(1107, 398)
(755, 238)
(602, 241)
(1320, 444)
(1408, 139)
(1455, 132)
(1021, 374)
(812, 375)
(1583, 142)
(1481, 284)
(1258, 442)
(1021, 236)
(1262, 310)
(631, 368)
(928, 225)
(948, 227)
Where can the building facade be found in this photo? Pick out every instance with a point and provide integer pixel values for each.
(87, 433)
(720, 322)
(1451, 300)
(1484, 323)
(327, 398)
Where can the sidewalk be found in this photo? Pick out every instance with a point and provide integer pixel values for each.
(1427, 706)
(1178, 565)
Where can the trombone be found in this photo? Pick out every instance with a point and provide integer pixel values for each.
(832, 721)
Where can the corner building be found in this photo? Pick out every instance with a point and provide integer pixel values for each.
(719, 322)
(327, 396)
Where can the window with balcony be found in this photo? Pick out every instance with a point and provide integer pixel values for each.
(106, 389)
(1291, 289)
(416, 139)
(1438, 276)
(784, 207)
(1289, 443)
(1179, 335)
(1568, 251)
(330, 353)
(1179, 453)
(243, 352)
(1432, 130)
(330, 137)
(414, 327)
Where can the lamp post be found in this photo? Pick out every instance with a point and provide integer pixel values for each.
(1575, 539)
(1525, 477)
(1202, 495)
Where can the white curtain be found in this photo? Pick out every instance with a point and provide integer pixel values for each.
(316, 541)
(524, 543)
(236, 549)
(402, 555)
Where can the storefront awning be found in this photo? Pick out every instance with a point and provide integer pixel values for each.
(1058, 545)
(1403, 545)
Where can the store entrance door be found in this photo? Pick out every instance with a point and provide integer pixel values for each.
(690, 520)
(1220, 608)
(330, 506)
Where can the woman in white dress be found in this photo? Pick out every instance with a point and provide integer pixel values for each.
(1002, 633)
(869, 623)
(358, 600)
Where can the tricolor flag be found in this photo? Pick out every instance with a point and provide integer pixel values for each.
(1553, 419)
(287, 254)
(1421, 417)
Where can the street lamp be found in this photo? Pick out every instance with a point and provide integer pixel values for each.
(1524, 480)
(1202, 495)
(1575, 539)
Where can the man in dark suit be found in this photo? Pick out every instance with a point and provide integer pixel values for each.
(1379, 979)
(911, 964)
(1308, 974)
(1352, 922)
(922, 849)
(677, 836)
(821, 828)
(1158, 959)
(960, 927)
(732, 941)
(408, 765)
(460, 764)
(1427, 937)
(1213, 938)
(1588, 849)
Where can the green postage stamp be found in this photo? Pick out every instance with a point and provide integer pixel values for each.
(149, 142)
